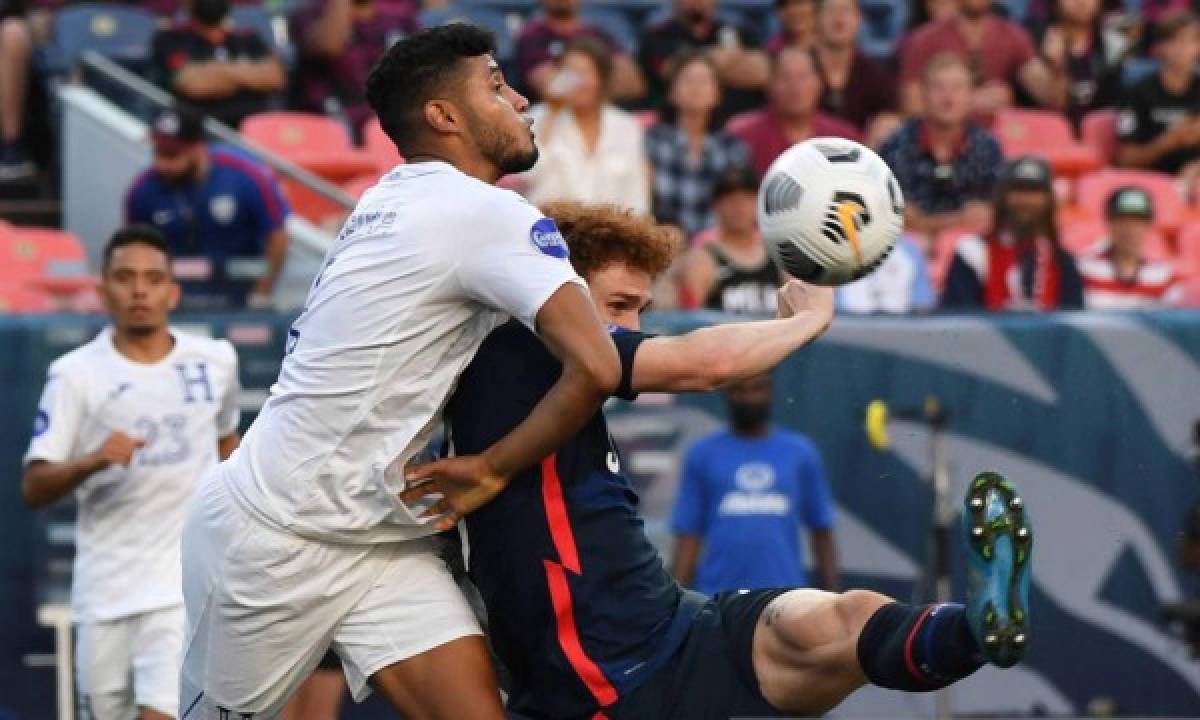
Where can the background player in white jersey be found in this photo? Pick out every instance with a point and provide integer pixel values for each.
(300, 542)
(129, 422)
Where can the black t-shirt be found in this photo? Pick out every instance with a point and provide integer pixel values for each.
(1095, 78)
(184, 44)
(1149, 110)
(740, 289)
(662, 41)
(580, 608)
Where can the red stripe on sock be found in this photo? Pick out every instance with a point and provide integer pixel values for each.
(909, 661)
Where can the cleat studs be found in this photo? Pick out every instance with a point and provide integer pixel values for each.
(1015, 503)
(1023, 532)
(1019, 639)
(977, 531)
(990, 639)
(976, 502)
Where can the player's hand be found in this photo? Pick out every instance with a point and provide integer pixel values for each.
(799, 298)
(465, 484)
(118, 449)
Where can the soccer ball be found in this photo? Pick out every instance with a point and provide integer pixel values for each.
(830, 211)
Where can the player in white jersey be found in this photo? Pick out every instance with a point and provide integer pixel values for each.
(300, 543)
(129, 422)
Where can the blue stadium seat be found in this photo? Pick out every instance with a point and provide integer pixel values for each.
(1136, 69)
(254, 17)
(883, 25)
(120, 32)
(615, 23)
(493, 20)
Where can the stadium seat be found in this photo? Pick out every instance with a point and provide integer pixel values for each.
(504, 25)
(1099, 132)
(1135, 69)
(23, 299)
(615, 23)
(119, 32)
(883, 25)
(1189, 250)
(316, 143)
(358, 186)
(1084, 236)
(1092, 191)
(379, 146)
(271, 28)
(40, 252)
(1047, 134)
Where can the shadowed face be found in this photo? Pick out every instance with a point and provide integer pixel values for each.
(138, 289)
(621, 293)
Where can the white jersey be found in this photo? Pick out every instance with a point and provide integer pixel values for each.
(130, 519)
(427, 265)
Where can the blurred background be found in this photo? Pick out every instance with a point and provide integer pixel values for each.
(1039, 317)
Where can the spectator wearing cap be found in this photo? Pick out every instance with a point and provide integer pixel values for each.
(999, 53)
(221, 213)
(797, 25)
(945, 163)
(338, 41)
(899, 286)
(1158, 127)
(229, 74)
(729, 270)
(16, 49)
(1116, 273)
(589, 149)
(741, 64)
(1076, 45)
(792, 114)
(544, 38)
(858, 89)
(685, 151)
(1020, 265)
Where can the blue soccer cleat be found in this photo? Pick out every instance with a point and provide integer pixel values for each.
(999, 559)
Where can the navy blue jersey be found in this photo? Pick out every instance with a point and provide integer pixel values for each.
(580, 607)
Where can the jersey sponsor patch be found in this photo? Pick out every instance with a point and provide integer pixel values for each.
(548, 239)
(41, 423)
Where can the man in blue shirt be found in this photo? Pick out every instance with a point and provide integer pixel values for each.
(221, 213)
(743, 496)
(580, 609)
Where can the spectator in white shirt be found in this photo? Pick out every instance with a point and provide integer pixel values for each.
(900, 285)
(591, 151)
(1116, 273)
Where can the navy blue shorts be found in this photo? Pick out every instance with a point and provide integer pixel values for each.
(711, 677)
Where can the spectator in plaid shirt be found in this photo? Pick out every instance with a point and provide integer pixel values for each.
(685, 151)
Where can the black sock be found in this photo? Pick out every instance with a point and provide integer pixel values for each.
(918, 648)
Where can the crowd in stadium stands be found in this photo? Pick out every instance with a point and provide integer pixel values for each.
(1049, 150)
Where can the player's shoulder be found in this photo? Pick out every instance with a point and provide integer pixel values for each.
(77, 365)
(218, 350)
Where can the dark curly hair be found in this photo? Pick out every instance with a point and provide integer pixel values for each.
(415, 70)
(599, 235)
(147, 235)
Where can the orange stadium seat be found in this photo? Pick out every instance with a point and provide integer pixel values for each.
(1082, 236)
(316, 143)
(379, 146)
(1099, 132)
(20, 299)
(1189, 250)
(1038, 132)
(42, 259)
(358, 186)
(1092, 191)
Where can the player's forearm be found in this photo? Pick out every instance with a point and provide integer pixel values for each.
(206, 81)
(1145, 155)
(46, 482)
(562, 412)
(265, 76)
(711, 357)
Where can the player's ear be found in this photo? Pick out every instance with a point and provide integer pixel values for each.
(443, 117)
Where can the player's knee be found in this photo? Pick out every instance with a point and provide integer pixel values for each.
(855, 607)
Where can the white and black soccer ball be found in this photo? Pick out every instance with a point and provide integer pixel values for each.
(830, 210)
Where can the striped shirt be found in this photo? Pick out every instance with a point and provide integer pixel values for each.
(1153, 285)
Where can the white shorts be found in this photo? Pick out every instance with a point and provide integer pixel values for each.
(130, 663)
(264, 605)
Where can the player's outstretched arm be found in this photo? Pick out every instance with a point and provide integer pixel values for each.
(710, 357)
(45, 482)
(569, 326)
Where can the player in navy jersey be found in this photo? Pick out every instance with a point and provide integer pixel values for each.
(580, 608)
